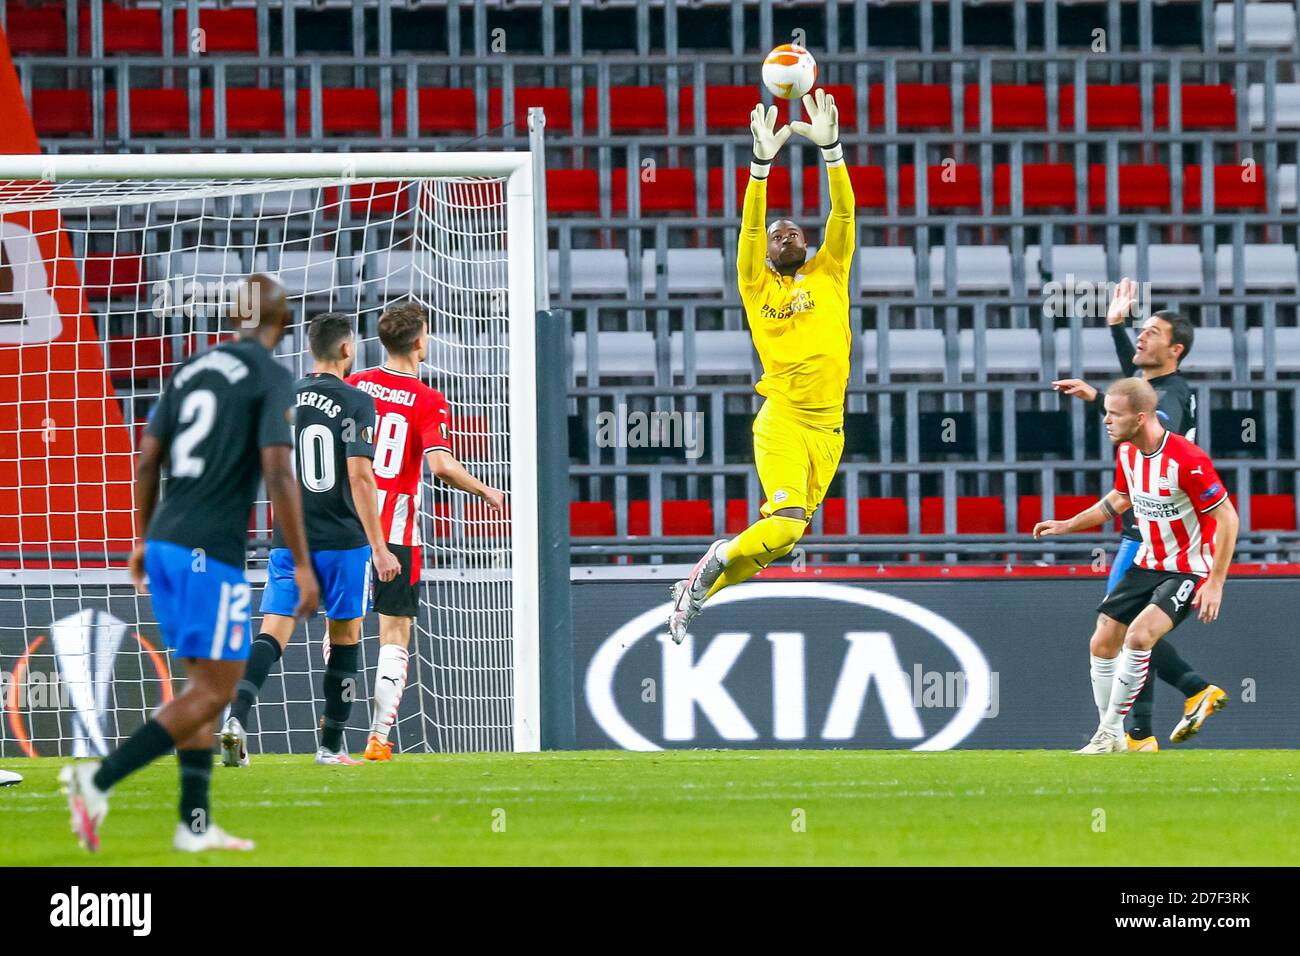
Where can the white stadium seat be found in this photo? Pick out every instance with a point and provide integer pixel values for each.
(887, 269)
(716, 353)
(687, 271)
(309, 273)
(1286, 185)
(979, 268)
(591, 271)
(1286, 349)
(911, 351)
(1266, 266)
(1169, 265)
(1086, 263)
(620, 354)
(1007, 351)
(1286, 106)
(1268, 25)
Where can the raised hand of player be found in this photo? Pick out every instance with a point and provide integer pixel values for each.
(1048, 528)
(1075, 387)
(386, 564)
(768, 140)
(135, 564)
(308, 591)
(824, 126)
(495, 499)
(1121, 302)
(1208, 600)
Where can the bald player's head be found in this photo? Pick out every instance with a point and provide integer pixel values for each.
(1130, 408)
(261, 306)
(786, 246)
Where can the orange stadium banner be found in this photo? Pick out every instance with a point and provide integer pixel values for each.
(65, 450)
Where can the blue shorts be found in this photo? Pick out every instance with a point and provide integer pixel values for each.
(202, 605)
(344, 583)
(1124, 555)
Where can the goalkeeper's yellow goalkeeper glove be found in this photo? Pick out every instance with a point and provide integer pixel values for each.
(824, 128)
(768, 140)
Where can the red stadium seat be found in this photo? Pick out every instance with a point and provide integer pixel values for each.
(882, 516)
(248, 110)
(37, 29)
(152, 112)
(738, 515)
(688, 518)
(920, 106)
(572, 190)
(1046, 185)
(975, 515)
(1120, 107)
(834, 512)
(109, 275)
(61, 112)
(1232, 188)
(671, 190)
(378, 200)
(868, 186)
(553, 99)
(778, 188)
(679, 518)
(1116, 106)
(469, 438)
(137, 358)
(1272, 513)
(1204, 107)
(1140, 187)
(948, 187)
(126, 30)
(631, 109)
(224, 31)
(725, 108)
(591, 519)
(344, 111)
(1014, 106)
(1030, 510)
(638, 518)
(437, 111)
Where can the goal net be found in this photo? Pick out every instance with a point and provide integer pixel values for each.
(113, 270)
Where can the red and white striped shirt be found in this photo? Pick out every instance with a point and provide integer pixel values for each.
(1173, 490)
(411, 419)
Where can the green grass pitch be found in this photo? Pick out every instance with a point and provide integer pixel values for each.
(701, 807)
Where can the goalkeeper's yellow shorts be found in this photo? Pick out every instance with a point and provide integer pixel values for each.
(796, 457)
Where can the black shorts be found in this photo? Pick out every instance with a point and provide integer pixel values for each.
(1171, 591)
(399, 597)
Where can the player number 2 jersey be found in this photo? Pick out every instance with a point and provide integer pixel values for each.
(412, 419)
(1173, 490)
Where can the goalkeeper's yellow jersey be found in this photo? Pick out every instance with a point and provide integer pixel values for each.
(800, 323)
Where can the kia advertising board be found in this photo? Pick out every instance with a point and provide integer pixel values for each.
(921, 664)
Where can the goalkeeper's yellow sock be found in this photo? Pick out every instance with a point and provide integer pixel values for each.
(749, 552)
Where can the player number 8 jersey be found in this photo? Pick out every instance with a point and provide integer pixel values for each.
(412, 420)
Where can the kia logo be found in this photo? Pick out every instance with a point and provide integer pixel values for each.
(694, 685)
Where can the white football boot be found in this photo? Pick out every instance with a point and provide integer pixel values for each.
(10, 779)
(213, 838)
(86, 802)
(688, 595)
(1104, 742)
(328, 758)
(234, 744)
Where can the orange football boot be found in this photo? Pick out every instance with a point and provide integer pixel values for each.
(379, 750)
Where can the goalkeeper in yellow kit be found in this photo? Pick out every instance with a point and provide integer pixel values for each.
(798, 312)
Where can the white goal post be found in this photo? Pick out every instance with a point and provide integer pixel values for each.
(124, 252)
